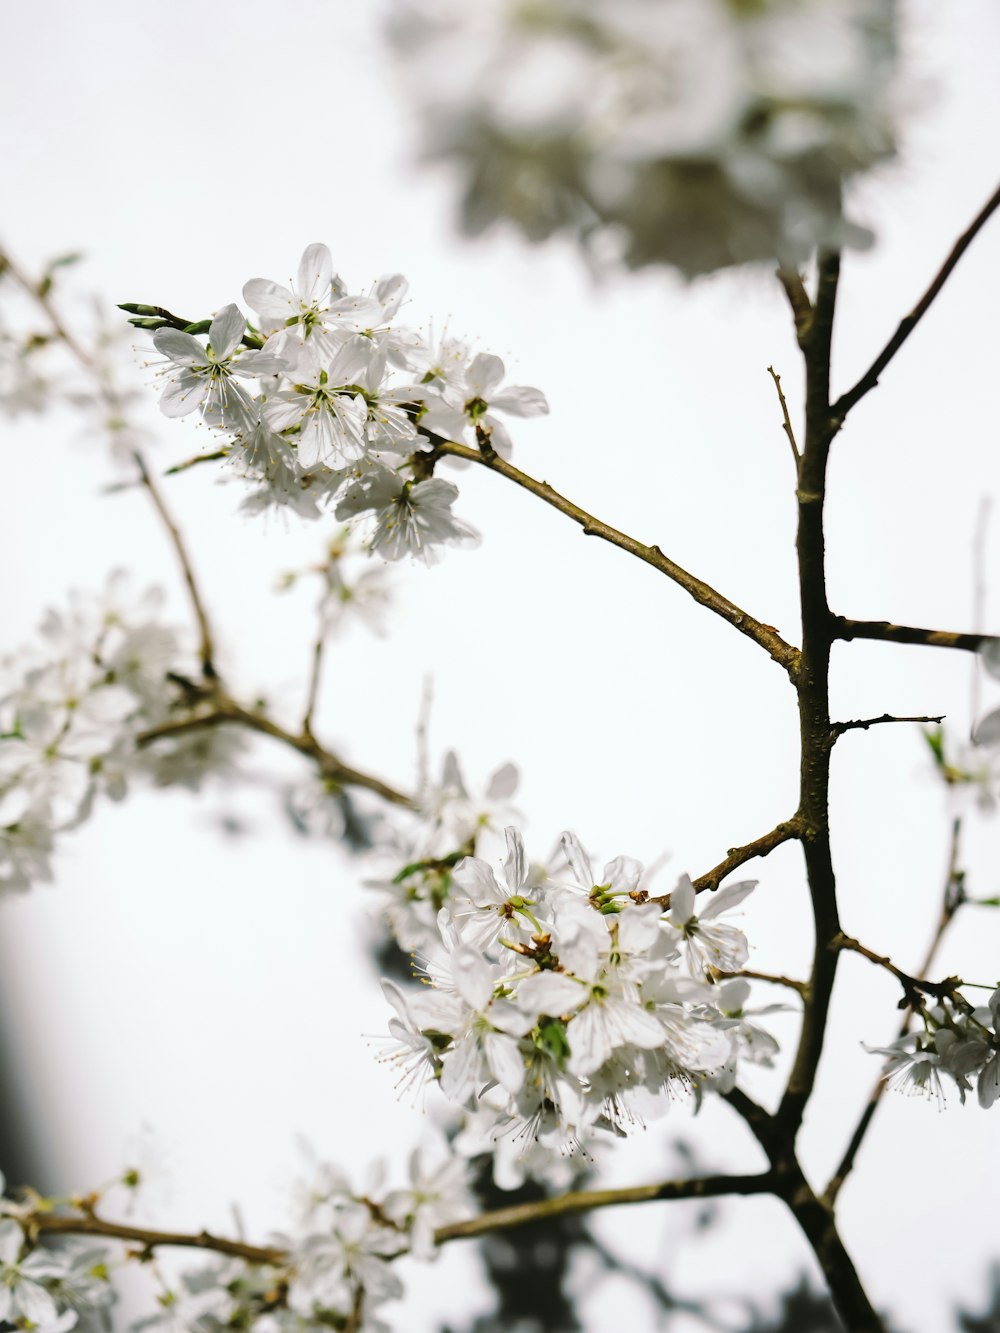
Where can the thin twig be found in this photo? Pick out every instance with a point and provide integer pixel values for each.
(786, 419)
(579, 1201)
(39, 294)
(862, 724)
(87, 1224)
(884, 631)
(766, 636)
(206, 647)
(913, 987)
(978, 600)
(952, 900)
(909, 322)
(315, 674)
(775, 980)
(224, 711)
(738, 856)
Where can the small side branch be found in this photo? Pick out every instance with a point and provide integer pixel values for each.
(909, 322)
(952, 899)
(581, 1201)
(227, 712)
(766, 636)
(913, 987)
(772, 977)
(88, 1224)
(884, 631)
(786, 419)
(206, 647)
(738, 856)
(862, 724)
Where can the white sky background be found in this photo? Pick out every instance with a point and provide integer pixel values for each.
(216, 988)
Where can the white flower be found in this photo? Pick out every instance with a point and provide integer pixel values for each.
(22, 1291)
(439, 1192)
(709, 945)
(204, 380)
(411, 518)
(484, 911)
(326, 406)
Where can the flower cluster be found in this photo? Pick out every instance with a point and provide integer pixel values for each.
(327, 400)
(42, 1289)
(700, 133)
(561, 1008)
(336, 1270)
(71, 710)
(957, 1042)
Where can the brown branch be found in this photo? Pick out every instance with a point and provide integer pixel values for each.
(579, 1201)
(798, 300)
(39, 293)
(913, 987)
(909, 322)
(500, 1219)
(801, 986)
(862, 724)
(206, 648)
(227, 712)
(766, 636)
(952, 900)
(814, 699)
(884, 631)
(738, 856)
(87, 1224)
(315, 675)
(786, 419)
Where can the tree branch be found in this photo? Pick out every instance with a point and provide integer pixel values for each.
(40, 295)
(206, 648)
(499, 1219)
(813, 696)
(884, 631)
(225, 711)
(952, 900)
(913, 987)
(579, 1201)
(738, 856)
(909, 322)
(87, 1224)
(766, 636)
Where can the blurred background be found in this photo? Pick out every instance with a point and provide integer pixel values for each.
(197, 986)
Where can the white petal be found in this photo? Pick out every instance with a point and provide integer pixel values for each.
(579, 860)
(987, 731)
(505, 1061)
(989, 654)
(484, 374)
(184, 394)
(515, 867)
(473, 977)
(520, 401)
(315, 274)
(726, 898)
(183, 348)
(682, 901)
(225, 331)
(269, 299)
